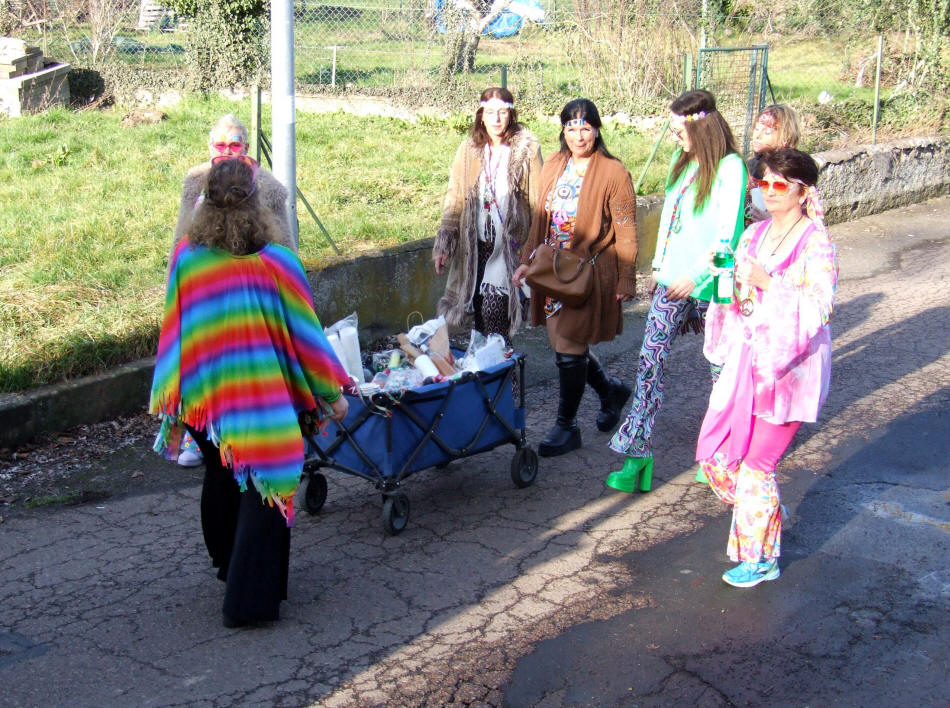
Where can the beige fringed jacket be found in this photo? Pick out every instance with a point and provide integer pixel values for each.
(457, 237)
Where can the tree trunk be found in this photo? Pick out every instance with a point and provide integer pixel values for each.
(460, 50)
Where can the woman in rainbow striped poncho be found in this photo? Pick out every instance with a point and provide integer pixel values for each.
(240, 356)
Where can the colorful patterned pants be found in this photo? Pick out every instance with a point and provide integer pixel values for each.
(750, 486)
(665, 319)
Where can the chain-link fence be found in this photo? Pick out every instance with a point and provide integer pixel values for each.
(627, 55)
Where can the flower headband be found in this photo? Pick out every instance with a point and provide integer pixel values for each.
(576, 123)
(496, 103)
(680, 120)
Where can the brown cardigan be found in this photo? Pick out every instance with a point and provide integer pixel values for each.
(606, 214)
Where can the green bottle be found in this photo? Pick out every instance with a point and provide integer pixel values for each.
(723, 273)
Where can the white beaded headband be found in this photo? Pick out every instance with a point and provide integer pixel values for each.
(496, 103)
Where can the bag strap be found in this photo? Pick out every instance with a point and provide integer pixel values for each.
(594, 257)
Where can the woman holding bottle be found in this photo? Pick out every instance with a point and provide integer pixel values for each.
(705, 195)
(773, 342)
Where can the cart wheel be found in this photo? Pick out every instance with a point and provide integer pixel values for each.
(395, 513)
(524, 467)
(316, 493)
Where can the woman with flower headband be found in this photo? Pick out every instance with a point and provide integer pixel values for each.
(705, 191)
(588, 205)
(228, 140)
(773, 342)
(776, 126)
(486, 214)
(240, 356)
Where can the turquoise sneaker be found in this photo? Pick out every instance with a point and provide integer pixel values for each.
(748, 574)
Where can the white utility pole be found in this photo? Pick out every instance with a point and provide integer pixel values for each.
(283, 117)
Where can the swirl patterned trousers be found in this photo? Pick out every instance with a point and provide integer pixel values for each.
(665, 319)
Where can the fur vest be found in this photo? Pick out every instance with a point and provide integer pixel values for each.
(457, 237)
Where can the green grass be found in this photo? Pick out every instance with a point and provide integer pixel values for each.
(87, 210)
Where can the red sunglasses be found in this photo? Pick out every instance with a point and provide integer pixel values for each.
(233, 146)
(778, 186)
(246, 159)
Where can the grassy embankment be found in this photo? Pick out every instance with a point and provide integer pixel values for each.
(87, 209)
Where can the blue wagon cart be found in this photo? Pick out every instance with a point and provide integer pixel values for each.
(385, 439)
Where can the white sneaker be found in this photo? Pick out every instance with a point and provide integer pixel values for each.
(187, 458)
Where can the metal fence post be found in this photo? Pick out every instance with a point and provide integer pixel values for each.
(255, 146)
(504, 76)
(877, 89)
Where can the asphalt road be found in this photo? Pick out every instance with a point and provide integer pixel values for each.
(562, 594)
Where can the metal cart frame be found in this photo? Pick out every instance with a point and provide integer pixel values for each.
(419, 432)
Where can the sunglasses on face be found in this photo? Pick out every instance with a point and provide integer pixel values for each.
(246, 159)
(234, 146)
(778, 186)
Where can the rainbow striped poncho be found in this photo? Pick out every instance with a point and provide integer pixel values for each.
(241, 354)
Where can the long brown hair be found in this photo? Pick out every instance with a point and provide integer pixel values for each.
(710, 140)
(479, 134)
(230, 217)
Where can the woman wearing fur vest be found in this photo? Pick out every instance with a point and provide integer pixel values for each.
(588, 205)
(486, 215)
(228, 140)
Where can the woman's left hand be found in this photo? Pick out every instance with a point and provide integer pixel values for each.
(517, 278)
(623, 297)
(680, 288)
(750, 272)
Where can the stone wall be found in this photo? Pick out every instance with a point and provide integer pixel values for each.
(872, 178)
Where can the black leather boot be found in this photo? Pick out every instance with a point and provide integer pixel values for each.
(612, 391)
(565, 435)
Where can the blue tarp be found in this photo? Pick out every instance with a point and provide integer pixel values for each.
(507, 24)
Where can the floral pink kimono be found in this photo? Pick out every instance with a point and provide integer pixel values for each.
(776, 369)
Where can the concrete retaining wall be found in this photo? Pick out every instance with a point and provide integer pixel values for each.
(866, 180)
(384, 287)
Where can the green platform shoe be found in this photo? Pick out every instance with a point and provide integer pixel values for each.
(634, 469)
(700, 476)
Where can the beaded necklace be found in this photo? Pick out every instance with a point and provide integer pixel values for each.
(675, 218)
(490, 171)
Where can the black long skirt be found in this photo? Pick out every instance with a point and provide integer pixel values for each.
(248, 541)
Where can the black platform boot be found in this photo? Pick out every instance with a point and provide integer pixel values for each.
(612, 391)
(565, 435)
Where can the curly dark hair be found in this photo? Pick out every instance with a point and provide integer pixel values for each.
(230, 217)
